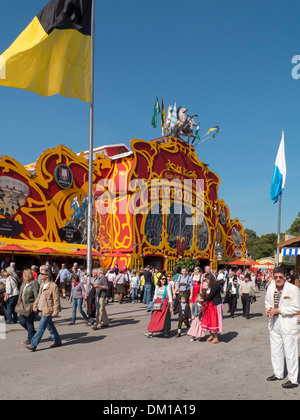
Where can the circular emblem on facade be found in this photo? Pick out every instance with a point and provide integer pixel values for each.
(10, 228)
(70, 234)
(63, 176)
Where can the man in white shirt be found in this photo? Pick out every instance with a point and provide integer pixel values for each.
(282, 305)
(220, 275)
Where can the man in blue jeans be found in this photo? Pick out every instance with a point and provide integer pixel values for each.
(149, 281)
(49, 303)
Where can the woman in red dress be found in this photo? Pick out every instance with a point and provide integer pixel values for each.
(212, 319)
(196, 285)
(161, 320)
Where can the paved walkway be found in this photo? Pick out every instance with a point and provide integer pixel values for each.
(120, 363)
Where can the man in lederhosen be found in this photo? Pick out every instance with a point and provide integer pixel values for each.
(183, 287)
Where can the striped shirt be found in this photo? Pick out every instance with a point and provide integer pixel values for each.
(277, 297)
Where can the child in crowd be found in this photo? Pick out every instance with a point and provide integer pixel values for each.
(134, 285)
(184, 314)
(197, 311)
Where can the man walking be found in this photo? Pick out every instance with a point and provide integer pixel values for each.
(247, 290)
(49, 304)
(149, 281)
(62, 279)
(282, 303)
(101, 285)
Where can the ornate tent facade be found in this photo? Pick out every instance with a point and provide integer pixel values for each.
(154, 203)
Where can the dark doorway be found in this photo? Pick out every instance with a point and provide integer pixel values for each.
(156, 262)
(202, 263)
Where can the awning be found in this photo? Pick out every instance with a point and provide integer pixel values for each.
(289, 252)
(83, 252)
(20, 246)
(241, 261)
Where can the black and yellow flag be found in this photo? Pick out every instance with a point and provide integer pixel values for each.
(53, 54)
(163, 113)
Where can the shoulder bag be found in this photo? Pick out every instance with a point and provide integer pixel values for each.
(159, 306)
(23, 309)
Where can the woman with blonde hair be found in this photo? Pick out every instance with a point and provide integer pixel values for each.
(28, 293)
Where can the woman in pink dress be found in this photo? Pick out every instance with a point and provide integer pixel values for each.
(196, 276)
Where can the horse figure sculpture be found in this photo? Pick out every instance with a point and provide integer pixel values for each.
(187, 131)
(185, 125)
(167, 122)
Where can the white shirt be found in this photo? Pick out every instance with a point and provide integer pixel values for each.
(169, 293)
(11, 287)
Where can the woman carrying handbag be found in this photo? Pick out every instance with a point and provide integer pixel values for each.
(29, 291)
(163, 307)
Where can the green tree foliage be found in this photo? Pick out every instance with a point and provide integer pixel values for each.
(295, 227)
(266, 245)
(259, 247)
(189, 263)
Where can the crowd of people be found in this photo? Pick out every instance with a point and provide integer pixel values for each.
(196, 298)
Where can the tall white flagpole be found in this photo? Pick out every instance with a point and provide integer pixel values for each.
(278, 229)
(91, 148)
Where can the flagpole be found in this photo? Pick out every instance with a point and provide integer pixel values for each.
(91, 149)
(278, 229)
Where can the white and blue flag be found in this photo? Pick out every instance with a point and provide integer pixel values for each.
(174, 119)
(279, 173)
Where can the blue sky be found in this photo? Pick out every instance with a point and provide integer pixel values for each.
(227, 61)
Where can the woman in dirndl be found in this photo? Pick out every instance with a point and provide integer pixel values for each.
(161, 320)
(212, 319)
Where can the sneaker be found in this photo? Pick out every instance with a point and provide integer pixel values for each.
(193, 339)
(149, 334)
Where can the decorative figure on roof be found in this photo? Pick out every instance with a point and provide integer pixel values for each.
(180, 124)
(185, 124)
(167, 122)
(187, 131)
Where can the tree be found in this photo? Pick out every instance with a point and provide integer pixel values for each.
(189, 263)
(266, 245)
(294, 229)
(259, 247)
